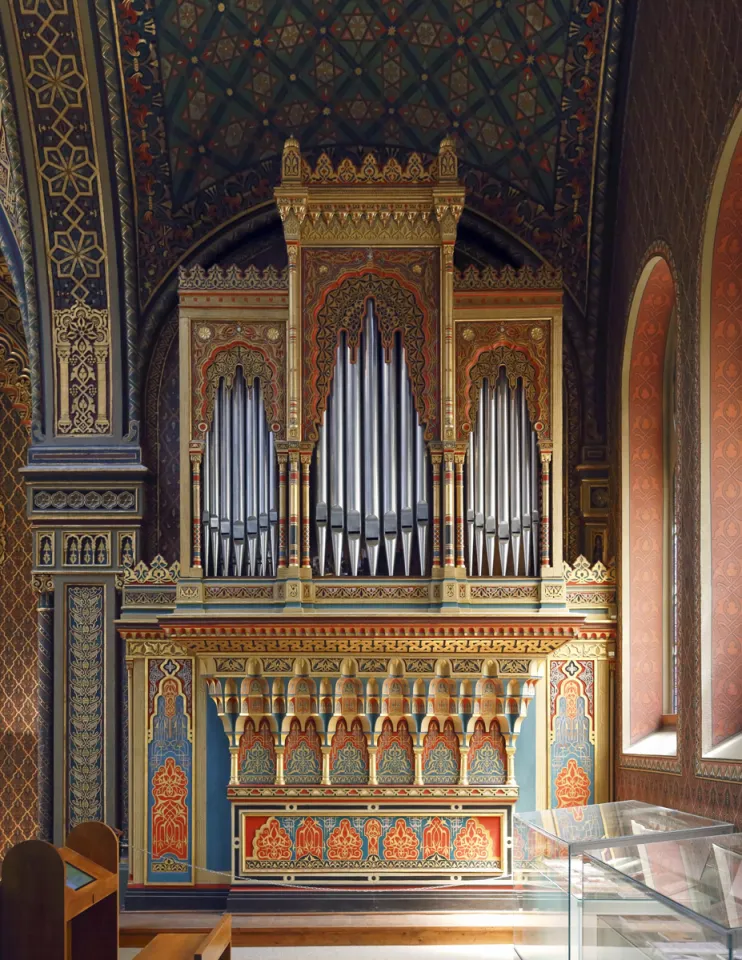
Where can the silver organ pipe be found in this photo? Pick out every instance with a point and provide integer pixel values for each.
(240, 494)
(389, 450)
(272, 502)
(337, 458)
(212, 482)
(371, 466)
(321, 512)
(405, 460)
(471, 474)
(251, 487)
(262, 487)
(525, 448)
(353, 446)
(503, 473)
(502, 485)
(237, 442)
(516, 469)
(535, 483)
(422, 515)
(206, 502)
(225, 477)
(488, 399)
(371, 518)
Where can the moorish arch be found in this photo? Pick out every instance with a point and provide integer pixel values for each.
(721, 457)
(644, 513)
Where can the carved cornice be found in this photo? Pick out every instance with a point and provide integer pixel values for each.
(232, 278)
(369, 203)
(524, 278)
(369, 171)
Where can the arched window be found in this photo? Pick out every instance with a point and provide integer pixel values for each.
(649, 537)
(721, 459)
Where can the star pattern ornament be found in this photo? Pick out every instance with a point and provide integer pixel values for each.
(213, 88)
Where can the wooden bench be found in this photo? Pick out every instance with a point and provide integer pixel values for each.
(216, 945)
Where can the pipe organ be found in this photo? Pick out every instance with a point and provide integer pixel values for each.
(240, 489)
(371, 648)
(503, 487)
(371, 465)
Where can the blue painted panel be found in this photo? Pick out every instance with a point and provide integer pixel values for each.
(525, 762)
(218, 814)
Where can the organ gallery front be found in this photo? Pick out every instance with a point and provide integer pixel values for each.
(371, 649)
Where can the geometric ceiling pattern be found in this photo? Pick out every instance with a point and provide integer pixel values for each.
(214, 87)
(237, 81)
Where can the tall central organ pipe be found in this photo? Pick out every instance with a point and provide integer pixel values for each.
(371, 471)
(502, 487)
(240, 494)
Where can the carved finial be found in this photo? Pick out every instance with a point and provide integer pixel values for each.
(448, 162)
(291, 161)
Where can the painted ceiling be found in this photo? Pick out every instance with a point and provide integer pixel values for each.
(214, 88)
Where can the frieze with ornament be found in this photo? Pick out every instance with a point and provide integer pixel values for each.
(335, 287)
(231, 278)
(544, 277)
(311, 843)
(53, 500)
(159, 572)
(582, 571)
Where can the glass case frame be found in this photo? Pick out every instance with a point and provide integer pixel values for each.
(551, 849)
(672, 900)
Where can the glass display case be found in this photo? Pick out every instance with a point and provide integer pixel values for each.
(672, 900)
(553, 873)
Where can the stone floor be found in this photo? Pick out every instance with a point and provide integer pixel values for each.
(363, 953)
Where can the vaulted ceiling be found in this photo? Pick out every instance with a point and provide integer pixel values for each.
(142, 134)
(214, 88)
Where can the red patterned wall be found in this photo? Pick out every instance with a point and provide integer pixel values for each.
(18, 654)
(680, 103)
(647, 497)
(726, 459)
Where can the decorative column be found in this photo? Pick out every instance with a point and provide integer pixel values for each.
(418, 766)
(510, 753)
(325, 766)
(449, 203)
(448, 509)
(280, 782)
(436, 458)
(306, 560)
(101, 378)
(294, 508)
(196, 454)
(372, 765)
(464, 774)
(460, 456)
(63, 369)
(545, 508)
(283, 524)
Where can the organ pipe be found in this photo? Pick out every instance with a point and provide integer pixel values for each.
(371, 519)
(502, 486)
(389, 456)
(371, 461)
(240, 494)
